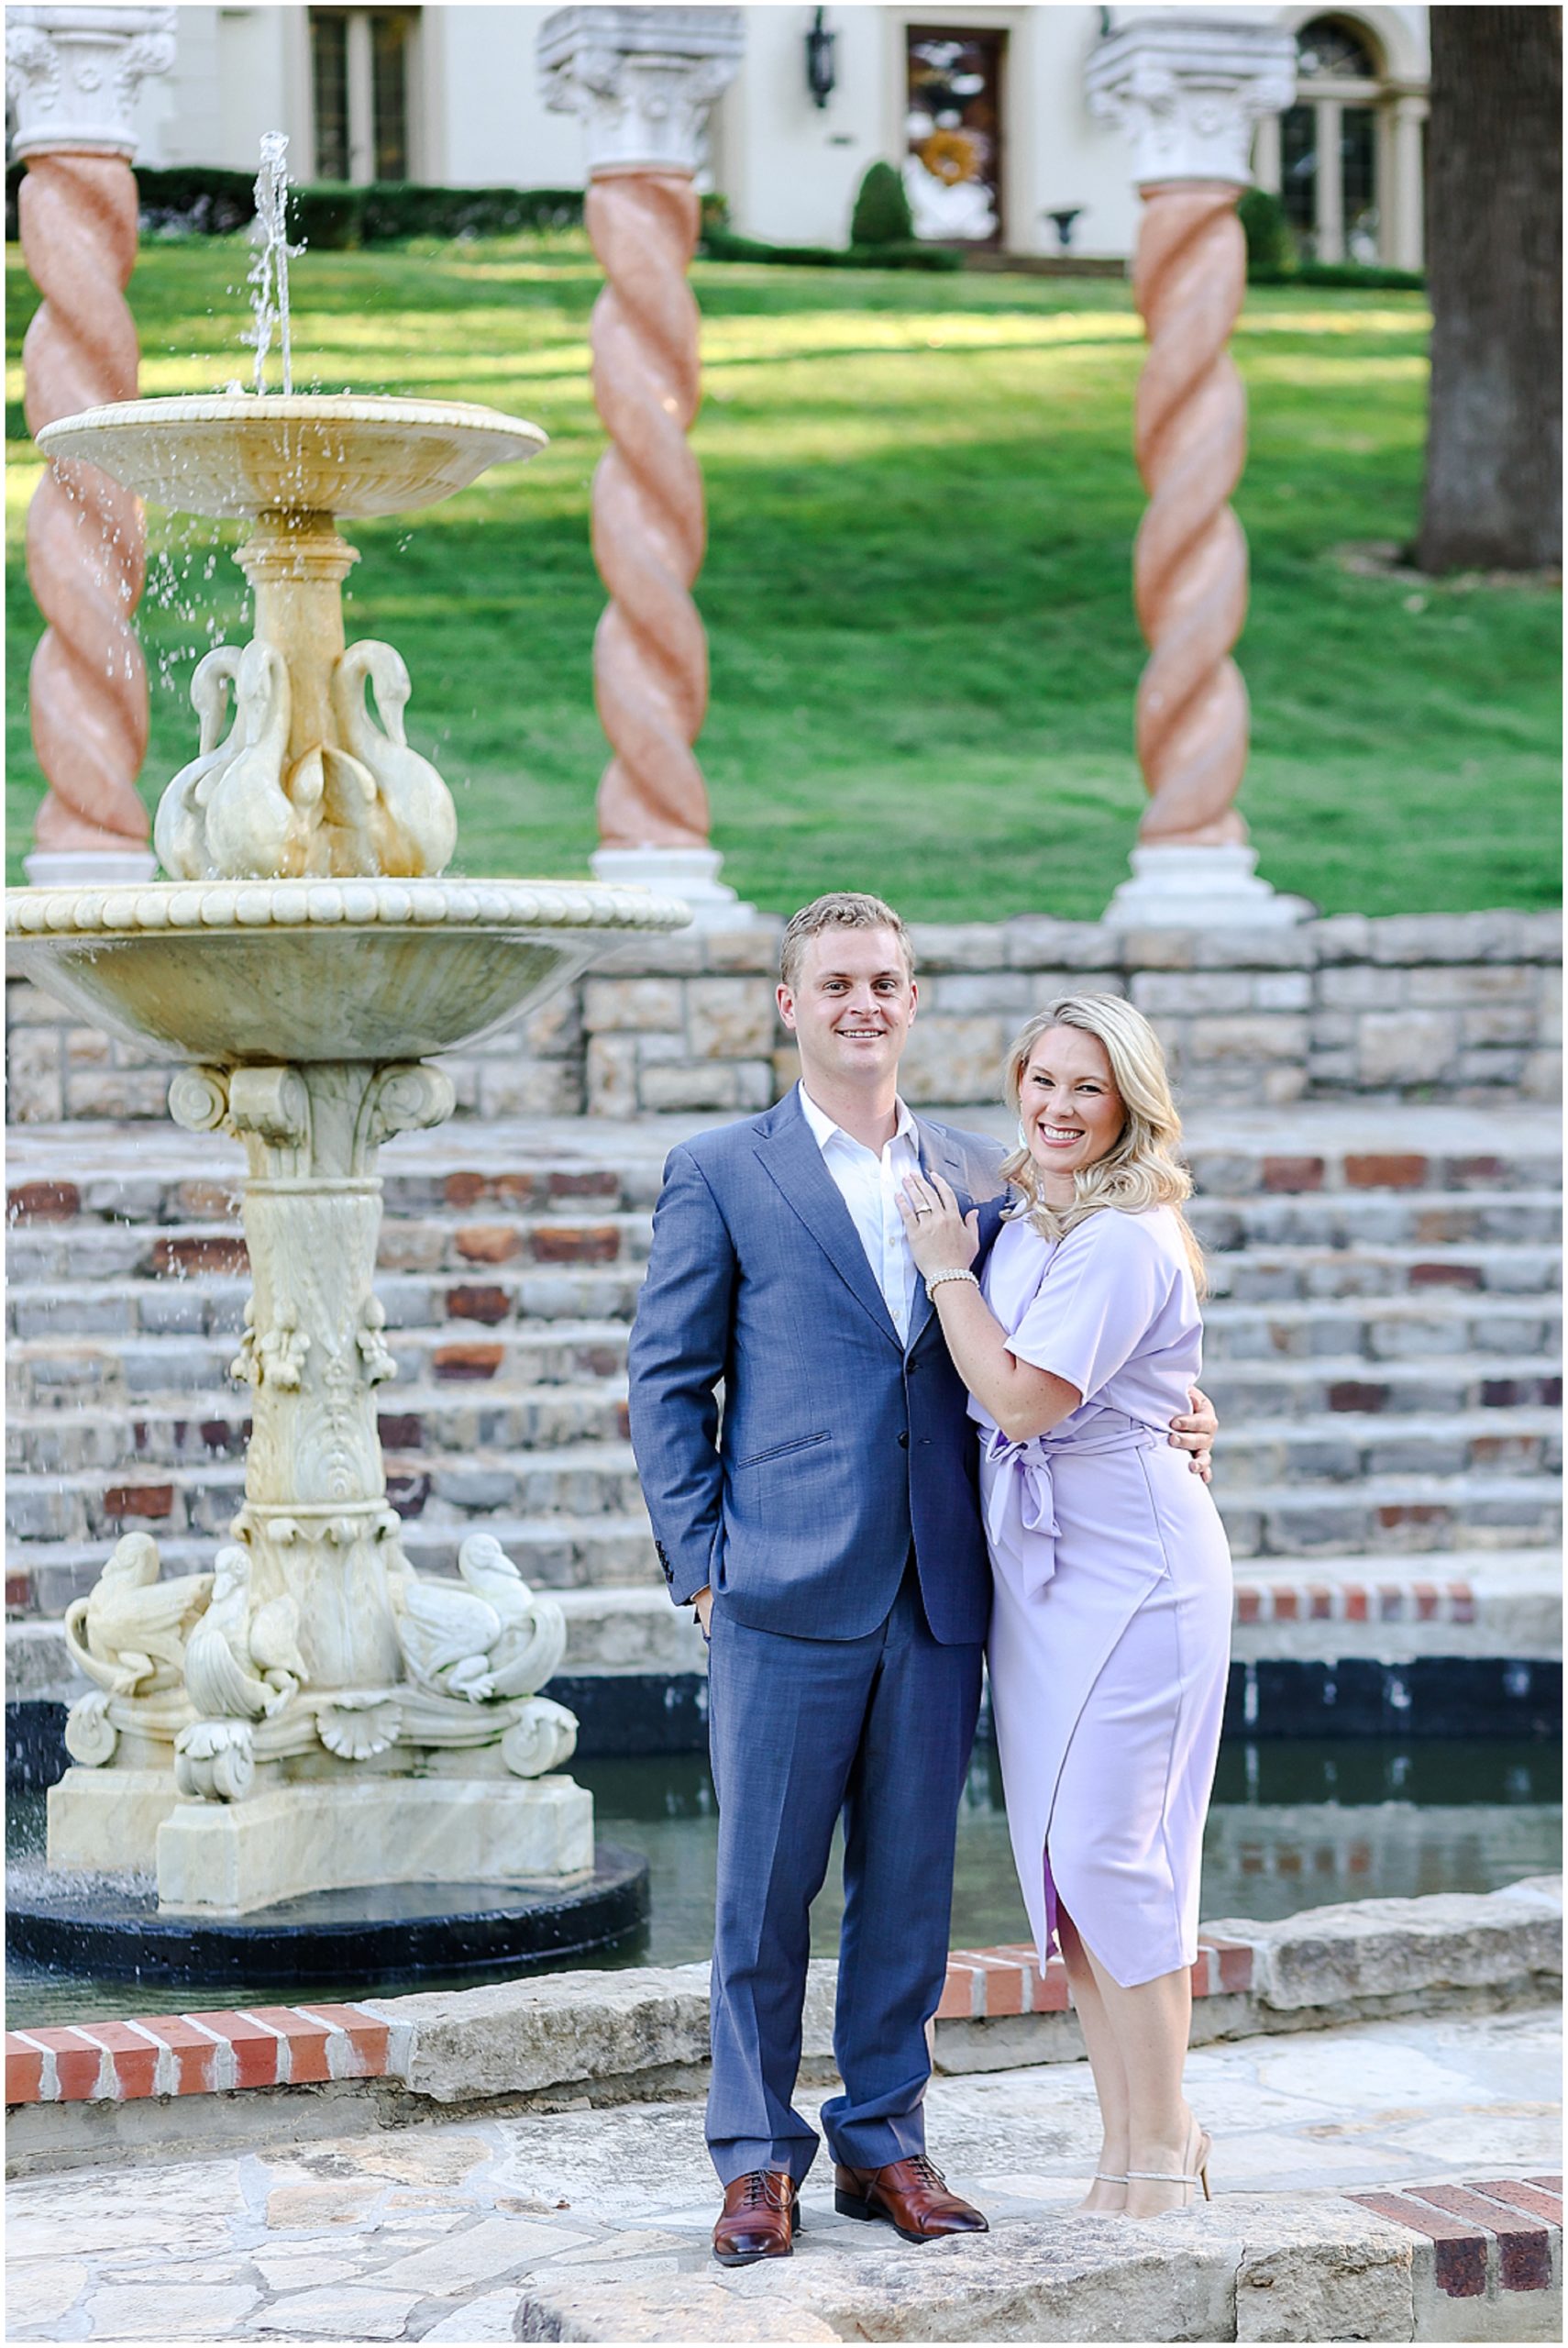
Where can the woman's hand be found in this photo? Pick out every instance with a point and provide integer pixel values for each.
(941, 1238)
(1194, 1433)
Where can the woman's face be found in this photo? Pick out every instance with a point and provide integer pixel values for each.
(1071, 1110)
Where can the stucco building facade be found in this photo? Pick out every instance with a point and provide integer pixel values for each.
(982, 108)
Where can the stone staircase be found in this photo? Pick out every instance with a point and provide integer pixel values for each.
(1381, 1344)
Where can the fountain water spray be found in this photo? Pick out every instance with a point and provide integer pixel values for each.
(269, 277)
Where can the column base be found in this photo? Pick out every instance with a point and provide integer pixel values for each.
(88, 868)
(1201, 887)
(689, 872)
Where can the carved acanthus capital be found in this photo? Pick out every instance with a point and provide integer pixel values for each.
(1187, 90)
(72, 75)
(642, 79)
(400, 1098)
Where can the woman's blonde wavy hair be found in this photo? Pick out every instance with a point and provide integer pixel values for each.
(1141, 1169)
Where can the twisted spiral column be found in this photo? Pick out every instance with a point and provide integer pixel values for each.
(1190, 559)
(650, 653)
(86, 553)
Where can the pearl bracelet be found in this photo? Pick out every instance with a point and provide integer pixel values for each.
(934, 1279)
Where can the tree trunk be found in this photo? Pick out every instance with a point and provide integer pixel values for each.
(1495, 267)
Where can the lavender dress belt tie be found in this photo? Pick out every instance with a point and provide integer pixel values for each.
(1021, 1511)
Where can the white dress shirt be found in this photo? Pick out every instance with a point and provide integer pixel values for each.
(868, 1184)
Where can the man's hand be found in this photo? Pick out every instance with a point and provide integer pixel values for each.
(703, 1602)
(1196, 1433)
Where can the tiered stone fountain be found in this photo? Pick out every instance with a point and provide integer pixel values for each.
(310, 1715)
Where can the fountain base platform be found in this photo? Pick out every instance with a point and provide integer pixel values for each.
(112, 1925)
(289, 1840)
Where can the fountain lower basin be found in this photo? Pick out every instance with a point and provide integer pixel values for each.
(361, 970)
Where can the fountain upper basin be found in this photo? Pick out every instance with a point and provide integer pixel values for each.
(361, 970)
(236, 453)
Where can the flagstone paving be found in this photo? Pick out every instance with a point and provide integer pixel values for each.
(436, 2232)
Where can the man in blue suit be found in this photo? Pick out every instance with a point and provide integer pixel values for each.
(828, 1534)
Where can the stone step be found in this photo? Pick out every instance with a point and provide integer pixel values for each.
(1435, 1320)
(1443, 1322)
(1379, 1218)
(551, 1553)
(1269, 1273)
(60, 1374)
(156, 1172)
(1391, 1516)
(197, 1265)
(1505, 1602)
(428, 1422)
(1340, 1448)
(1244, 1392)
(81, 1251)
(483, 1432)
(1410, 1506)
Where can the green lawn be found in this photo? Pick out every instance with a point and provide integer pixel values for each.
(922, 502)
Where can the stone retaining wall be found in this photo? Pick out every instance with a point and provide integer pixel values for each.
(562, 2040)
(1456, 1007)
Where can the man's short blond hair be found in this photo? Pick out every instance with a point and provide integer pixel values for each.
(840, 909)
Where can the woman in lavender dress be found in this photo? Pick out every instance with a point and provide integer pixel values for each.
(1110, 1637)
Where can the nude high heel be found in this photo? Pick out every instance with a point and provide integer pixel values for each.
(1198, 2175)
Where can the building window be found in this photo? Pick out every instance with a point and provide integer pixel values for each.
(360, 85)
(1329, 144)
(952, 131)
(329, 89)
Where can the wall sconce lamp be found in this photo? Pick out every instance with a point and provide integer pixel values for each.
(820, 75)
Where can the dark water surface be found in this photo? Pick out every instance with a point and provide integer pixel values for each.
(1294, 1825)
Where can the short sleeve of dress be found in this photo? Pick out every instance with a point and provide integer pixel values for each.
(1102, 1293)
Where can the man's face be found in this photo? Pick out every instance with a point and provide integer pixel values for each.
(851, 1007)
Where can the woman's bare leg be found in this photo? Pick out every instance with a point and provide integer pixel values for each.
(1148, 2027)
(1105, 2062)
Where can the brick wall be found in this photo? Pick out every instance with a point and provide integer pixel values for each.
(1446, 1007)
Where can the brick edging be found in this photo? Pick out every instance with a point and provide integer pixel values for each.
(196, 2054)
(991, 1984)
(264, 2046)
(1495, 2233)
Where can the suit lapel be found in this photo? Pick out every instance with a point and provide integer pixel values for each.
(788, 1154)
(938, 1153)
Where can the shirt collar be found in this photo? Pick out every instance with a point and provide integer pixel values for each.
(825, 1130)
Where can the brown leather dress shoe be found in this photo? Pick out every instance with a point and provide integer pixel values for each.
(758, 2220)
(910, 2195)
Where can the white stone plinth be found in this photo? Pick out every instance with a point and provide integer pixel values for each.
(642, 79)
(1201, 887)
(108, 1819)
(228, 1858)
(1187, 90)
(84, 868)
(691, 873)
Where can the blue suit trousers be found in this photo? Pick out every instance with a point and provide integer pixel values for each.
(881, 1729)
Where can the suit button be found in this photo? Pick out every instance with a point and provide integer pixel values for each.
(903, 1442)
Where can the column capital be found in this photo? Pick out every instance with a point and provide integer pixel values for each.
(1186, 91)
(72, 75)
(642, 79)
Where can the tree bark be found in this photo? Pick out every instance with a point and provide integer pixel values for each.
(1493, 497)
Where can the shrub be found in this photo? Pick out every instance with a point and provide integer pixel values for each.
(1351, 274)
(882, 214)
(203, 201)
(718, 244)
(1270, 244)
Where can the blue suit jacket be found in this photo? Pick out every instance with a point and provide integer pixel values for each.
(839, 1447)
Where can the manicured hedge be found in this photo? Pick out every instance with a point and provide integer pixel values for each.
(333, 216)
(718, 244)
